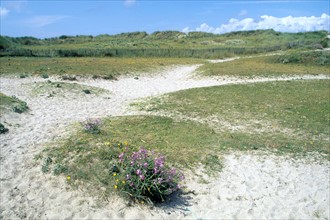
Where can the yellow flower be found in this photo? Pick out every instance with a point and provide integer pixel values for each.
(107, 143)
(115, 174)
(149, 189)
(118, 145)
(123, 182)
(117, 180)
(115, 186)
(68, 178)
(125, 143)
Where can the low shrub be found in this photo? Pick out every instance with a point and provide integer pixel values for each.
(19, 106)
(3, 129)
(319, 58)
(92, 126)
(143, 176)
(87, 91)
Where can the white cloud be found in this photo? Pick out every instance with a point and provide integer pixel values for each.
(129, 3)
(41, 21)
(3, 12)
(285, 24)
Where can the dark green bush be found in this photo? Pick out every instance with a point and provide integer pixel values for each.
(87, 91)
(3, 129)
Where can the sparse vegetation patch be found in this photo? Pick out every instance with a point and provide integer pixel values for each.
(12, 103)
(64, 89)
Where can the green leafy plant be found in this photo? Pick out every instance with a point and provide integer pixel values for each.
(144, 176)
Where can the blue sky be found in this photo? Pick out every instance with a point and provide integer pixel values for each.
(46, 18)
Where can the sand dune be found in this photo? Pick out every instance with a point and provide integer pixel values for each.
(251, 185)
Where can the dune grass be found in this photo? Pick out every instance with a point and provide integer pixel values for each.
(290, 116)
(11, 103)
(268, 66)
(162, 44)
(184, 143)
(87, 66)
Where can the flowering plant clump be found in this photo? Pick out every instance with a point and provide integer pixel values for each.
(146, 177)
(92, 126)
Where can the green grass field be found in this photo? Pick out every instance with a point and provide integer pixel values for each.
(291, 116)
(296, 64)
(87, 66)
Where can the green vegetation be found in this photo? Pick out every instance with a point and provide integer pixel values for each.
(3, 129)
(90, 158)
(64, 89)
(144, 175)
(321, 58)
(288, 116)
(307, 63)
(12, 103)
(162, 44)
(107, 68)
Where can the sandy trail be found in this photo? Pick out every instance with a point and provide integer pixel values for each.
(250, 186)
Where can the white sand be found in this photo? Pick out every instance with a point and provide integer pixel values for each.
(250, 186)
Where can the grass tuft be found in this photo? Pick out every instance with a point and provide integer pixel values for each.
(12, 103)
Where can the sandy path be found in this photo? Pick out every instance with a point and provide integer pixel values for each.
(250, 186)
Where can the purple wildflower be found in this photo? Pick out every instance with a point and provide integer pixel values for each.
(159, 162)
(121, 157)
(138, 172)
